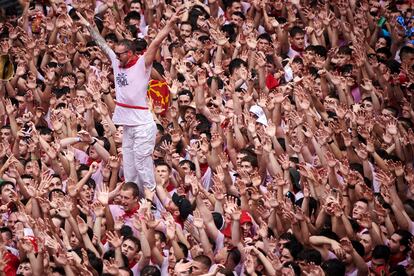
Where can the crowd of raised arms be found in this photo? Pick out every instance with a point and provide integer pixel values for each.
(284, 143)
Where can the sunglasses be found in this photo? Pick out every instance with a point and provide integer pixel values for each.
(119, 54)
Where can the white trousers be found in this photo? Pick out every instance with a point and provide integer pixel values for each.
(138, 144)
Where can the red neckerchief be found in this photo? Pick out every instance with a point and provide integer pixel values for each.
(271, 82)
(131, 264)
(131, 62)
(170, 187)
(297, 49)
(130, 213)
(396, 258)
(203, 168)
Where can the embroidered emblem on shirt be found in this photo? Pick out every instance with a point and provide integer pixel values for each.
(122, 80)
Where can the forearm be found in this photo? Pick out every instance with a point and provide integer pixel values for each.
(100, 41)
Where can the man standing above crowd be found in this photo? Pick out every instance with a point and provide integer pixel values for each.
(132, 74)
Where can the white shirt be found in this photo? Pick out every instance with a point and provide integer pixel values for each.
(131, 86)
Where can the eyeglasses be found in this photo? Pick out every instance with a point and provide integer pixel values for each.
(119, 54)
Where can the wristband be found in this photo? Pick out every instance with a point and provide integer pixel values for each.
(351, 187)
(106, 93)
(79, 139)
(94, 142)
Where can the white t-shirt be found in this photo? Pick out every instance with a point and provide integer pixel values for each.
(131, 86)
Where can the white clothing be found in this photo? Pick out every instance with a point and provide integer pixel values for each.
(131, 86)
(138, 143)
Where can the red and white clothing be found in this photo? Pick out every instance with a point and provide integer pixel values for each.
(131, 111)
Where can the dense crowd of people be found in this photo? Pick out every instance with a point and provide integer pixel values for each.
(283, 142)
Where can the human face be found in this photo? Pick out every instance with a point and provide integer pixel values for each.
(24, 269)
(136, 7)
(118, 135)
(189, 114)
(184, 100)
(136, 23)
(359, 209)
(86, 193)
(5, 134)
(298, 40)
(186, 168)
(163, 172)
(367, 105)
(56, 183)
(185, 31)
(221, 256)
(366, 241)
(236, 7)
(22, 147)
(246, 166)
(228, 109)
(262, 44)
(74, 241)
(381, 42)
(239, 158)
(128, 201)
(246, 229)
(237, 20)
(123, 54)
(198, 268)
(394, 244)
(285, 256)
(129, 249)
(7, 193)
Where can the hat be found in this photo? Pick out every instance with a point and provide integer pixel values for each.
(258, 111)
(184, 206)
(245, 218)
(218, 220)
(184, 108)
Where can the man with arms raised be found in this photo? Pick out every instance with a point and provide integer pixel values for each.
(132, 74)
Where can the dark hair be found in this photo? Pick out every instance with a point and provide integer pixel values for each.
(320, 51)
(132, 15)
(111, 37)
(294, 248)
(296, 30)
(310, 255)
(59, 191)
(7, 231)
(405, 239)
(190, 164)
(294, 266)
(133, 187)
(236, 64)
(161, 162)
(406, 50)
(381, 252)
(163, 238)
(334, 267)
(359, 248)
(186, 93)
(140, 45)
(329, 234)
(234, 255)
(383, 50)
(265, 36)
(345, 50)
(240, 14)
(206, 261)
(4, 183)
(135, 241)
(150, 270)
(183, 248)
(110, 254)
(127, 43)
(252, 160)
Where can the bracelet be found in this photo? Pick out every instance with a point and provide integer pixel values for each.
(351, 187)
(330, 142)
(94, 142)
(106, 93)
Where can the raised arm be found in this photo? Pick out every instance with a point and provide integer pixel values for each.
(156, 43)
(96, 36)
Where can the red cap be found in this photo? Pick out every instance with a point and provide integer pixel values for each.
(245, 217)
